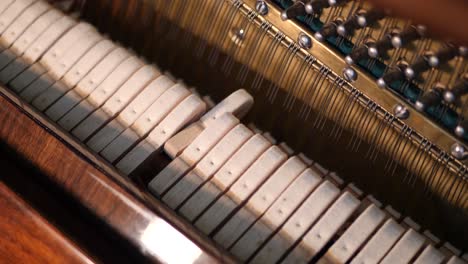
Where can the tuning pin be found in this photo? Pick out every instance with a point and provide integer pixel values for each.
(348, 27)
(461, 129)
(428, 61)
(316, 6)
(361, 19)
(336, 2)
(463, 51)
(420, 65)
(412, 33)
(327, 30)
(429, 98)
(380, 47)
(391, 76)
(459, 89)
(297, 9)
(366, 18)
(443, 56)
(357, 54)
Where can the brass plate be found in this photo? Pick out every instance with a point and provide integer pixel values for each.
(423, 128)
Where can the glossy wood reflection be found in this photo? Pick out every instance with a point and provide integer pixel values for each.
(26, 237)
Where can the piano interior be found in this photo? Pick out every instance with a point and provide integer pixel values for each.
(212, 131)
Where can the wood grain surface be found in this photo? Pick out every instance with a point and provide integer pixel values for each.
(26, 237)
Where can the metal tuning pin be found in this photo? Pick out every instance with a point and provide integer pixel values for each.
(336, 2)
(328, 30)
(359, 53)
(459, 89)
(461, 129)
(361, 19)
(420, 65)
(429, 98)
(429, 61)
(410, 34)
(348, 27)
(393, 75)
(297, 9)
(443, 56)
(381, 47)
(316, 6)
(367, 18)
(463, 51)
(356, 55)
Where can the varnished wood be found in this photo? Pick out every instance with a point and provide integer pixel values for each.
(65, 213)
(114, 200)
(26, 237)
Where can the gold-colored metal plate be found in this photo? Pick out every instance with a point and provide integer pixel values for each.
(423, 127)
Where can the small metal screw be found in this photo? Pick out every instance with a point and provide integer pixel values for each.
(463, 51)
(373, 52)
(449, 97)
(240, 33)
(361, 20)
(350, 74)
(262, 7)
(401, 111)
(433, 61)
(409, 73)
(459, 151)
(319, 36)
(381, 83)
(349, 60)
(460, 131)
(304, 41)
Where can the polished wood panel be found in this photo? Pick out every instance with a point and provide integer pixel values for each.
(26, 237)
(133, 214)
(67, 215)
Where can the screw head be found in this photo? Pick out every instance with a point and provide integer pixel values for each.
(341, 30)
(240, 33)
(422, 29)
(261, 7)
(284, 16)
(309, 9)
(463, 51)
(420, 106)
(381, 83)
(433, 61)
(409, 73)
(349, 60)
(362, 21)
(397, 42)
(401, 111)
(460, 131)
(319, 36)
(304, 41)
(449, 97)
(459, 151)
(373, 52)
(350, 74)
